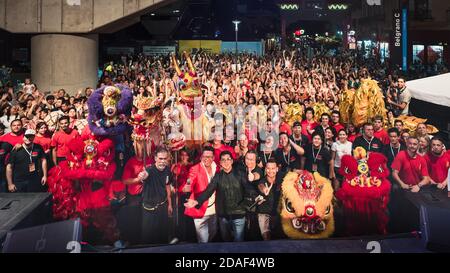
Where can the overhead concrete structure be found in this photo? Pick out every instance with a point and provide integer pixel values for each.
(64, 61)
(64, 52)
(73, 16)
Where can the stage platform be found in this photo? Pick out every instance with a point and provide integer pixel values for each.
(344, 245)
(23, 210)
(18, 211)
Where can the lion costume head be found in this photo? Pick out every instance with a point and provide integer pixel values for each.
(364, 192)
(306, 206)
(188, 83)
(109, 109)
(146, 116)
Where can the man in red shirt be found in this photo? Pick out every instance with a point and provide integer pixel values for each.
(61, 139)
(335, 117)
(410, 169)
(16, 135)
(379, 132)
(438, 163)
(308, 125)
(219, 147)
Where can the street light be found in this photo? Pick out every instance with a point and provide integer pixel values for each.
(236, 28)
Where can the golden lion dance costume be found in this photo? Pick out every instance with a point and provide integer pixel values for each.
(293, 113)
(319, 109)
(146, 119)
(365, 192)
(190, 104)
(83, 186)
(362, 105)
(306, 208)
(411, 123)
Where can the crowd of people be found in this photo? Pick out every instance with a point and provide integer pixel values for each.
(227, 188)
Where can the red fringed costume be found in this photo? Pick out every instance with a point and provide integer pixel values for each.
(83, 186)
(365, 193)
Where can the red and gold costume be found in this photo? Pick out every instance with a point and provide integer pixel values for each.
(83, 185)
(364, 193)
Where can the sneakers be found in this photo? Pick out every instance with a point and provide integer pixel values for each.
(174, 241)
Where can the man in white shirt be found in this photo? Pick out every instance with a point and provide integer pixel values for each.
(404, 98)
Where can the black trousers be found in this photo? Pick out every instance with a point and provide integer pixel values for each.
(185, 230)
(155, 226)
(30, 185)
(129, 219)
(3, 185)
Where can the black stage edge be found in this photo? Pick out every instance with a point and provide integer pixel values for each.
(23, 210)
(405, 243)
(406, 215)
(404, 234)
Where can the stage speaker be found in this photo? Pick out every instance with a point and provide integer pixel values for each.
(435, 228)
(23, 210)
(60, 237)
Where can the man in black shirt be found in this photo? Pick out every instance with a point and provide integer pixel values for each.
(317, 157)
(394, 147)
(253, 174)
(229, 185)
(27, 166)
(324, 124)
(156, 199)
(297, 136)
(269, 187)
(289, 156)
(367, 140)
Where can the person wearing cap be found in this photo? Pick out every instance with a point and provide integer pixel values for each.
(26, 170)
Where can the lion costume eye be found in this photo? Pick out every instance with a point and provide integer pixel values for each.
(327, 210)
(288, 206)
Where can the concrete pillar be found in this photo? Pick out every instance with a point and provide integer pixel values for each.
(64, 61)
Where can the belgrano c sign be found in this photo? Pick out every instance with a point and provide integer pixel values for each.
(399, 40)
(397, 29)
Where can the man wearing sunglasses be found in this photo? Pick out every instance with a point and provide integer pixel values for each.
(26, 170)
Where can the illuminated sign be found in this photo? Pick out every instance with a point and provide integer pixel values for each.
(373, 2)
(337, 6)
(299, 32)
(399, 42)
(289, 7)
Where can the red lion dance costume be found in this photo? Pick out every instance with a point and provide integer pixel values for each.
(83, 186)
(364, 193)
